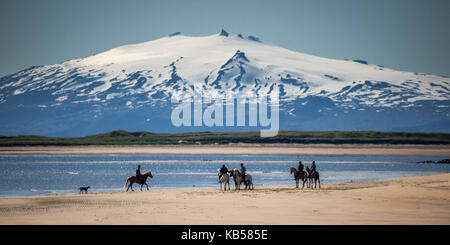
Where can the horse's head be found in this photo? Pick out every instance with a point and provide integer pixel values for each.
(148, 174)
(292, 169)
(237, 172)
(231, 173)
(307, 169)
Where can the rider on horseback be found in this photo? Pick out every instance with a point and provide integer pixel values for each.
(223, 171)
(243, 170)
(138, 172)
(313, 167)
(300, 166)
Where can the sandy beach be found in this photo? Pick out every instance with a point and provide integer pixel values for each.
(248, 149)
(413, 200)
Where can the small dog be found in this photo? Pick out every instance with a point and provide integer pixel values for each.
(85, 189)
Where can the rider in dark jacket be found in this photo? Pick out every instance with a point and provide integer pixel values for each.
(138, 172)
(243, 171)
(223, 171)
(313, 167)
(300, 166)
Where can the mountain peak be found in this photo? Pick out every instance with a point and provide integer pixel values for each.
(240, 55)
(175, 34)
(252, 38)
(223, 33)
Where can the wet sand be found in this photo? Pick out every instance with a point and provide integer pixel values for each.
(240, 149)
(412, 200)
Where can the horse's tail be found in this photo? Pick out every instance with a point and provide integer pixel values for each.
(126, 183)
(249, 178)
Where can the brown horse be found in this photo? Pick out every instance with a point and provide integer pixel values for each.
(298, 176)
(312, 176)
(134, 179)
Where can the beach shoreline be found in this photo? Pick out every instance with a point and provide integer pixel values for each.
(409, 200)
(235, 149)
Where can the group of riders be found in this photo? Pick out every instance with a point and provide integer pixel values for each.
(243, 170)
(311, 170)
(224, 170)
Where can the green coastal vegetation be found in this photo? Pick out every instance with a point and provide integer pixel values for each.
(121, 137)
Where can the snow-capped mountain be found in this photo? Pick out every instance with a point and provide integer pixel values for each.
(129, 87)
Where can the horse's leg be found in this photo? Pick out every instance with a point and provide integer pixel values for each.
(296, 183)
(131, 185)
(146, 185)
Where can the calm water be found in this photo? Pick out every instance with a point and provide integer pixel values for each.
(51, 174)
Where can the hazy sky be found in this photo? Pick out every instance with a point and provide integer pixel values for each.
(407, 35)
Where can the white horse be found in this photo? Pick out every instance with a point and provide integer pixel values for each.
(237, 177)
(224, 179)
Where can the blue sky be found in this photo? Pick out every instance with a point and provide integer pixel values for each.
(407, 35)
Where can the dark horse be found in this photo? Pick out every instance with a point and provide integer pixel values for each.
(312, 175)
(142, 181)
(298, 176)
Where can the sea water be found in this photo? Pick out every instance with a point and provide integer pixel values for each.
(22, 175)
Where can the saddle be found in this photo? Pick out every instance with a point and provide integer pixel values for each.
(243, 178)
(298, 174)
(140, 177)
